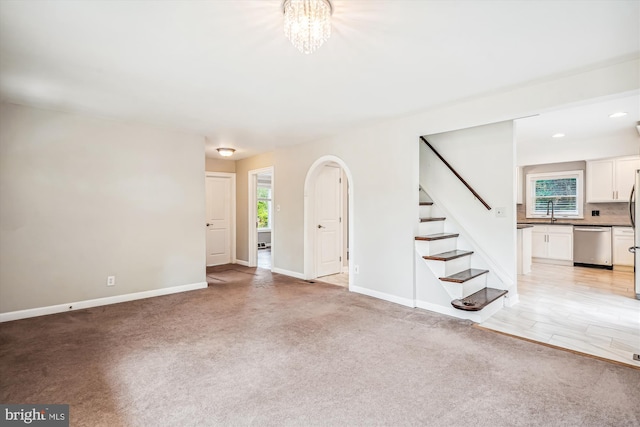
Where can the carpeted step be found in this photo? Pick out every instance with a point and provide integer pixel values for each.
(478, 300)
(447, 256)
(465, 275)
(437, 236)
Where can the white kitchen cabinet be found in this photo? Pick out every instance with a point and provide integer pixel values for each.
(552, 243)
(622, 241)
(610, 180)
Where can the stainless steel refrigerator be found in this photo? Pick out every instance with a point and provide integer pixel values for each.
(634, 209)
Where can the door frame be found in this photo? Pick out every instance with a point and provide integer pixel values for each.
(232, 222)
(310, 271)
(252, 214)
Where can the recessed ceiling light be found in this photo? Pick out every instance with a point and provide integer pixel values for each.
(618, 114)
(557, 135)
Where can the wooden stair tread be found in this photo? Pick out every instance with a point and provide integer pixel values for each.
(437, 236)
(465, 275)
(432, 219)
(446, 256)
(478, 300)
(426, 203)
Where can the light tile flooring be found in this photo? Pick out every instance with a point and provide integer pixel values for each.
(582, 309)
(340, 279)
(264, 258)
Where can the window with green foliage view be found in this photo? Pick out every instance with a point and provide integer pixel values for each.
(563, 190)
(264, 207)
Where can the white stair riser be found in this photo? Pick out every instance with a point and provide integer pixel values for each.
(425, 211)
(447, 268)
(432, 247)
(461, 290)
(474, 285)
(457, 265)
(430, 227)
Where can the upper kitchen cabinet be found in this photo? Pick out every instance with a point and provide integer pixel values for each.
(610, 180)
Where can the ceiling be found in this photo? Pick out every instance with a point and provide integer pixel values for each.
(583, 126)
(224, 70)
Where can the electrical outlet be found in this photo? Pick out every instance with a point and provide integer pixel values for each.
(111, 280)
(356, 269)
(636, 356)
(595, 213)
(501, 212)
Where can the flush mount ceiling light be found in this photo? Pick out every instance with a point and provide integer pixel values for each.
(226, 152)
(558, 135)
(618, 114)
(307, 23)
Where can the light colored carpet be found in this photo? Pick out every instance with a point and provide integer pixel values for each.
(257, 348)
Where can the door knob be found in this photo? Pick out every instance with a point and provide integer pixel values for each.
(320, 226)
(632, 249)
(208, 224)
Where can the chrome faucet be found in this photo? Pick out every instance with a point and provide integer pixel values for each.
(550, 202)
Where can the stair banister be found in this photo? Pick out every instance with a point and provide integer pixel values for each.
(477, 196)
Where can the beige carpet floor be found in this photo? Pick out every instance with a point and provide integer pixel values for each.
(257, 348)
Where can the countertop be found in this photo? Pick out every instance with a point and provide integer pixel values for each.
(579, 224)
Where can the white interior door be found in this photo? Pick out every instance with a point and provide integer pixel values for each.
(218, 191)
(328, 227)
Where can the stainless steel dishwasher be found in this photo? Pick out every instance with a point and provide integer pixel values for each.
(592, 246)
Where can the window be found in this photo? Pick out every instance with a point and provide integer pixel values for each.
(264, 208)
(562, 190)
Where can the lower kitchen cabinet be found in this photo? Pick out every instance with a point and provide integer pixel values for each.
(552, 243)
(622, 241)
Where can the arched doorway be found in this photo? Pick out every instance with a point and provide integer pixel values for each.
(328, 219)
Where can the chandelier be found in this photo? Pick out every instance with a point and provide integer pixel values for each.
(307, 23)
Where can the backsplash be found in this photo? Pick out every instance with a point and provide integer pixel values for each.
(610, 214)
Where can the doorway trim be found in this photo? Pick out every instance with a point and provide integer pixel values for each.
(309, 230)
(232, 222)
(252, 214)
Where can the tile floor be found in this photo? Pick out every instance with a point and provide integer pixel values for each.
(340, 279)
(264, 258)
(582, 309)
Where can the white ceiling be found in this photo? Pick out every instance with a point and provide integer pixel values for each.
(588, 129)
(223, 69)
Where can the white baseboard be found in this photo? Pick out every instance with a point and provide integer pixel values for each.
(60, 308)
(383, 296)
(552, 261)
(288, 273)
(243, 263)
(511, 299)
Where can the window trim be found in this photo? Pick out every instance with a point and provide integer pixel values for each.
(531, 177)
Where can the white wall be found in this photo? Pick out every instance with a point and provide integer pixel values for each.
(383, 160)
(82, 198)
(484, 157)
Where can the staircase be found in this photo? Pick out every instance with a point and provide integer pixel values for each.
(450, 278)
